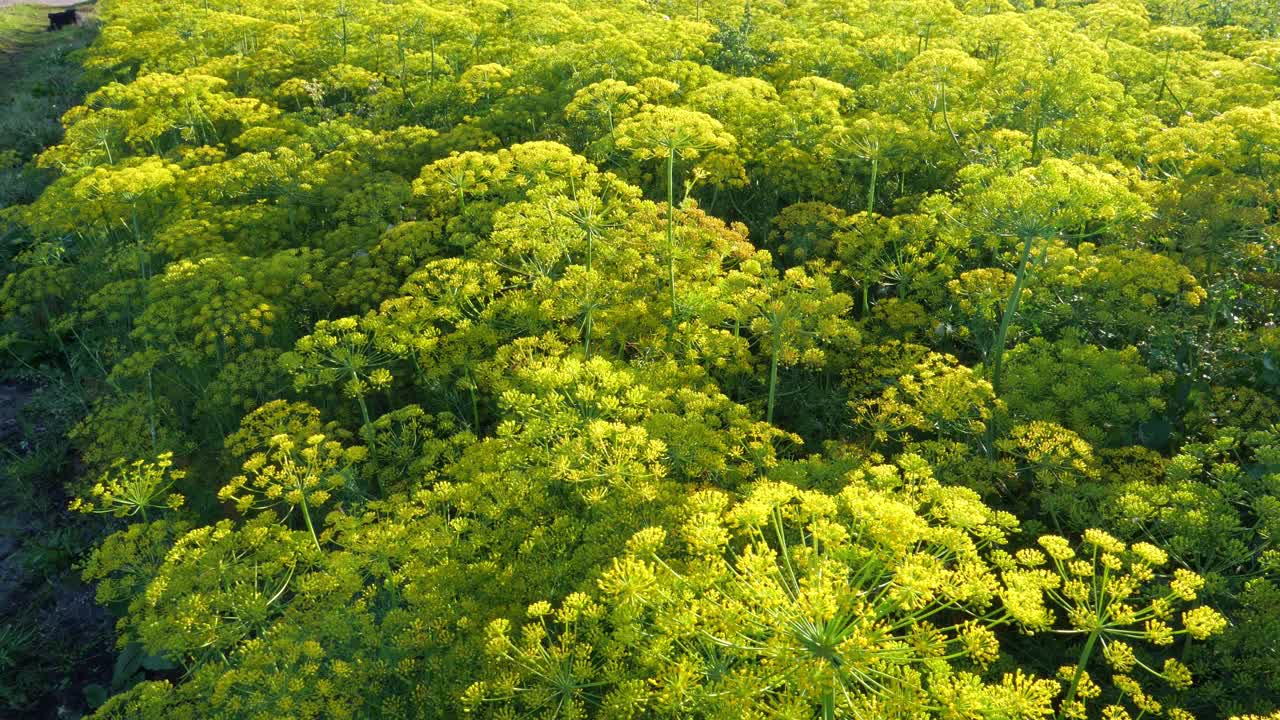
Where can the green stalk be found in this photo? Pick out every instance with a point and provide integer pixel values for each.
(1011, 309)
(1210, 305)
(475, 405)
(370, 436)
(586, 335)
(1080, 663)
(433, 61)
(306, 514)
(671, 234)
(871, 190)
(773, 374)
(1164, 73)
(344, 35)
(404, 68)
(151, 414)
(1035, 138)
(364, 413)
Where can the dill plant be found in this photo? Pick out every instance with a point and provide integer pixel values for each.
(664, 134)
(788, 601)
(350, 351)
(291, 476)
(801, 317)
(1109, 593)
(129, 489)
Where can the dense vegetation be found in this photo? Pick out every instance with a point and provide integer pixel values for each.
(696, 359)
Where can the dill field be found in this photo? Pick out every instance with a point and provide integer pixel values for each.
(641, 359)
